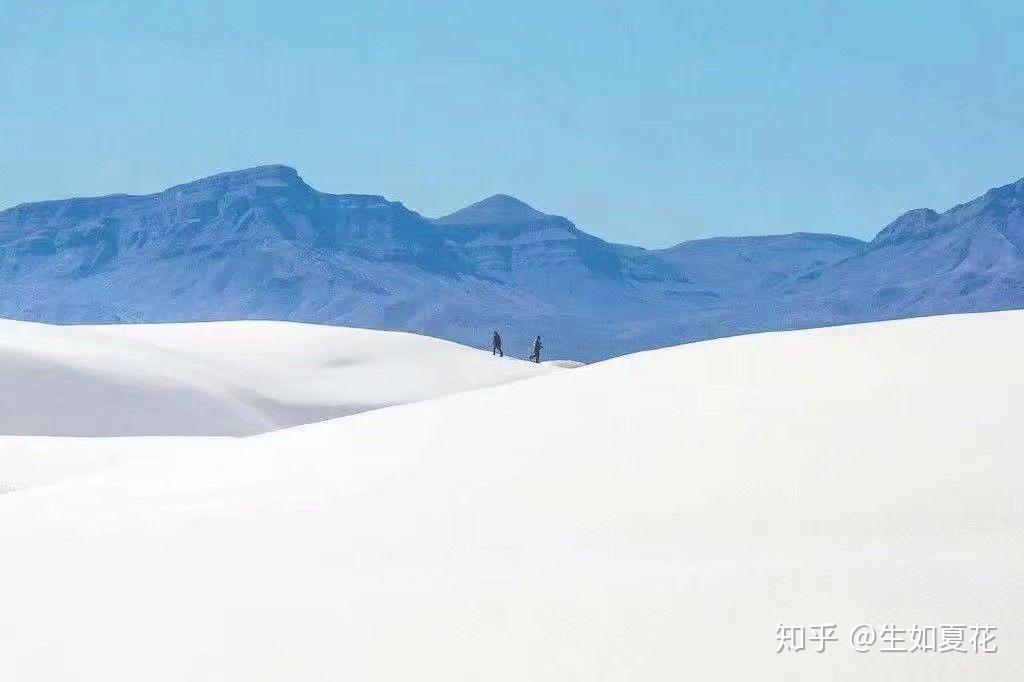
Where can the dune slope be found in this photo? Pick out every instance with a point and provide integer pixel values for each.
(221, 378)
(652, 517)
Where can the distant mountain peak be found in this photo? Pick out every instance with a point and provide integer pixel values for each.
(272, 175)
(1014, 190)
(496, 209)
(914, 225)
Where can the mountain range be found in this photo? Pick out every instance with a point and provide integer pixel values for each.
(262, 244)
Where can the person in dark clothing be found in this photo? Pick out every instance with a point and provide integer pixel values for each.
(496, 345)
(537, 345)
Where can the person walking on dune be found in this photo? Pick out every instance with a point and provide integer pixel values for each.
(537, 345)
(496, 344)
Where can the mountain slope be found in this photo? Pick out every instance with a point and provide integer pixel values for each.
(262, 244)
(249, 244)
(970, 258)
(688, 501)
(751, 266)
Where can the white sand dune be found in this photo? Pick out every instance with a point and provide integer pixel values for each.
(652, 517)
(221, 378)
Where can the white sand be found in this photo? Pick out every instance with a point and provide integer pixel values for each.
(652, 517)
(221, 378)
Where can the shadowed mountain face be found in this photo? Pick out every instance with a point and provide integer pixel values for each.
(966, 259)
(262, 244)
(750, 266)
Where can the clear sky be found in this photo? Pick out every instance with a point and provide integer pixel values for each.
(644, 122)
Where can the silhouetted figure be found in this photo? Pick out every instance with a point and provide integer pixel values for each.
(537, 345)
(496, 345)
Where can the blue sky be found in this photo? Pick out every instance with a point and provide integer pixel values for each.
(648, 123)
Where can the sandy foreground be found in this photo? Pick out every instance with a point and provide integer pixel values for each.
(653, 517)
